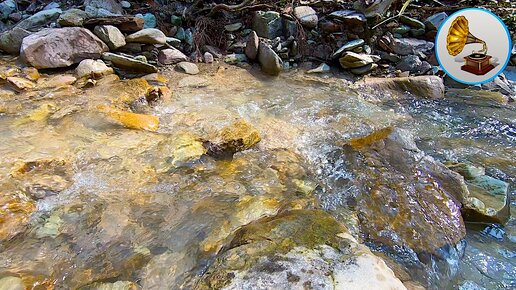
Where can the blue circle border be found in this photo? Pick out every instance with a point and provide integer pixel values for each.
(502, 67)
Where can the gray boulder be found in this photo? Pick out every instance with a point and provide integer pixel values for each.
(11, 40)
(40, 19)
(270, 62)
(61, 47)
(110, 35)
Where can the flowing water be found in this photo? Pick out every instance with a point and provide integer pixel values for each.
(87, 200)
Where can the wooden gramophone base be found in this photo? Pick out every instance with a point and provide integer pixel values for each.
(477, 71)
(477, 64)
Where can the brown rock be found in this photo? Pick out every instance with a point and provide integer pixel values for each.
(171, 56)
(251, 49)
(124, 23)
(61, 47)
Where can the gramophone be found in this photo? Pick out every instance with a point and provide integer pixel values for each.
(478, 62)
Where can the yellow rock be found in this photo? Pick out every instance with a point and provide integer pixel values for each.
(186, 148)
(56, 81)
(381, 134)
(39, 114)
(20, 84)
(31, 73)
(131, 120)
(14, 213)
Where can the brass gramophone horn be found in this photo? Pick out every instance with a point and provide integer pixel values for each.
(459, 36)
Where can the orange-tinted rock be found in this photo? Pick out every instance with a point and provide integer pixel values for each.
(131, 120)
(15, 211)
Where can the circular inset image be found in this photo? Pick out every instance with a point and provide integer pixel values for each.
(473, 46)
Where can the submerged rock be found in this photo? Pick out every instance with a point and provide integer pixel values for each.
(421, 86)
(14, 214)
(119, 285)
(235, 137)
(61, 47)
(11, 283)
(488, 200)
(403, 191)
(183, 148)
(295, 250)
(131, 120)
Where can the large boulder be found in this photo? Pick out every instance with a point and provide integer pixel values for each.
(39, 19)
(11, 40)
(270, 62)
(110, 35)
(148, 36)
(61, 47)
(299, 249)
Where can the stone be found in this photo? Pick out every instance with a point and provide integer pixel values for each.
(7, 8)
(402, 29)
(395, 151)
(193, 82)
(184, 148)
(235, 58)
(307, 16)
(189, 36)
(128, 63)
(56, 81)
(125, 4)
(353, 60)
(20, 84)
(180, 34)
(11, 283)
(364, 69)
(407, 46)
(15, 212)
(217, 53)
(346, 47)
(118, 285)
(412, 22)
(92, 68)
(110, 35)
(349, 17)
(148, 36)
(270, 62)
(72, 17)
(149, 20)
(322, 68)
(233, 27)
(422, 86)
(131, 120)
(176, 20)
(208, 57)
(11, 40)
(173, 41)
(238, 136)
(39, 19)
(171, 56)
(188, 68)
(111, 6)
(488, 200)
(60, 47)
(434, 22)
(52, 5)
(295, 249)
(410, 63)
(124, 23)
(267, 24)
(377, 8)
(251, 48)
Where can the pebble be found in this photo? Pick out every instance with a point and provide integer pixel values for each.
(208, 57)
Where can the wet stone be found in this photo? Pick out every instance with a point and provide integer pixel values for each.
(235, 137)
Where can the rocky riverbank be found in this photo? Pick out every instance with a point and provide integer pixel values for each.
(246, 145)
